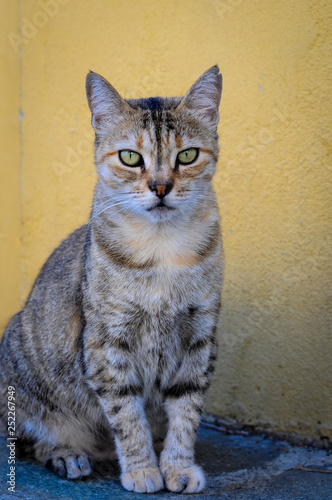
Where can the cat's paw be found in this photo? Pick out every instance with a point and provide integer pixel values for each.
(184, 479)
(70, 466)
(146, 480)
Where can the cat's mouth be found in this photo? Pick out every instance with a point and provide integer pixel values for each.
(160, 208)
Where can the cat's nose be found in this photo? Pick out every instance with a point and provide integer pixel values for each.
(161, 189)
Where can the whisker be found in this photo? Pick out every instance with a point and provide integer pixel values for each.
(132, 211)
(110, 201)
(108, 218)
(107, 207)
(104, 206)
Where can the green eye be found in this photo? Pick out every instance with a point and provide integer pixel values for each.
(187, 156)
(130, 158)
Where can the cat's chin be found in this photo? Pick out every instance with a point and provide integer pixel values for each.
(161, 212)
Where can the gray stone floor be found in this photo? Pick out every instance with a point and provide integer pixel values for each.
(237, 467)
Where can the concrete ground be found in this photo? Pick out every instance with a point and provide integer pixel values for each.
(237, 467)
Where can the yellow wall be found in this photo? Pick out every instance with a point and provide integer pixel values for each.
(273, 186)
(10, 168)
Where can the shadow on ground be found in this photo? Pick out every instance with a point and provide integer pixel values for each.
(237, 467)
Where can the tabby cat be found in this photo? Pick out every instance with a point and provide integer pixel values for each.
(115, 348)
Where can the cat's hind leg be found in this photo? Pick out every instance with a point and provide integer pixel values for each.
(64, 462)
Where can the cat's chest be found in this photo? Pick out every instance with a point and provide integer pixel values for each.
(156, 270)
(164, 293)
(158, 351)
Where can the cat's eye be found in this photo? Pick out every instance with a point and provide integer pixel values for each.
(130, 158)
(187, 156)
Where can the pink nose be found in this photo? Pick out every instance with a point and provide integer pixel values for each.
(161, 190)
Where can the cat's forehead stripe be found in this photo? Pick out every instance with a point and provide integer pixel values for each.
(178, 141)
(158, 126)
(154, 103)
(139, 141)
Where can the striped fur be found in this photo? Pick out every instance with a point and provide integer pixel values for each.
(115, 348)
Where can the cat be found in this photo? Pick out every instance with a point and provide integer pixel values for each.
(115, 348)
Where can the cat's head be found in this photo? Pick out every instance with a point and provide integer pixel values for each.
(155, 157)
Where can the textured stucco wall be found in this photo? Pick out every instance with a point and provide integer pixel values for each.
(273, 186)
(10, 267)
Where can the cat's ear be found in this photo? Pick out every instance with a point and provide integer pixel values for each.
(203, 98)
(105, 103)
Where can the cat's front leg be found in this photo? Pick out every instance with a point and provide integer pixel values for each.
(177, 463)
(139, 465)
(184, 403)
(110, 373)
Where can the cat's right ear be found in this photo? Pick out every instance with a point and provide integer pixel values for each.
(104, 101)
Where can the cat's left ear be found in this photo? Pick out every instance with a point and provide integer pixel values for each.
(105, 103)
(203, 98)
